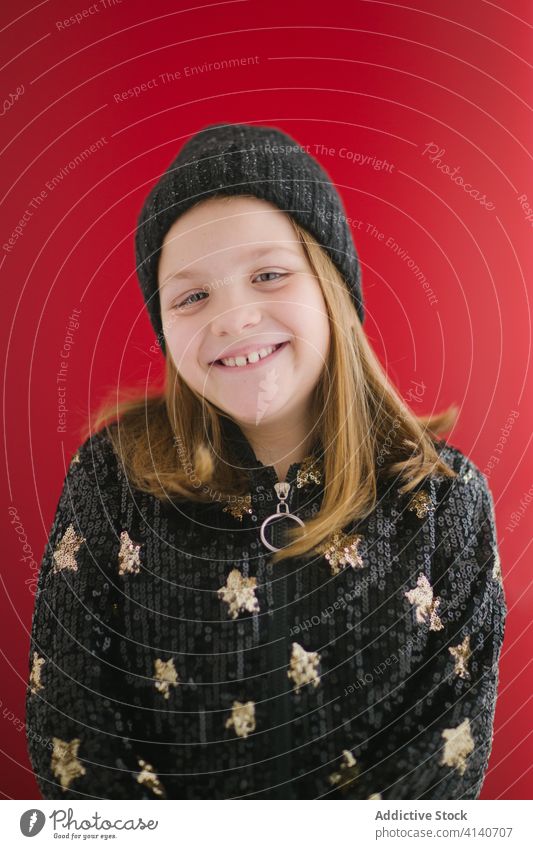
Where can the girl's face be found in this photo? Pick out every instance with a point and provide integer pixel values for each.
(233, 279)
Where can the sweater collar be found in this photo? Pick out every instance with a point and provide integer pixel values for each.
(243, 453)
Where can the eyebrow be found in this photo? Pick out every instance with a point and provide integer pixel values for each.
(187, 274)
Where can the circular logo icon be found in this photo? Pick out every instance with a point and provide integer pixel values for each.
(32, 822)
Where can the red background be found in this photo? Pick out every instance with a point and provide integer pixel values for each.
(376, 78)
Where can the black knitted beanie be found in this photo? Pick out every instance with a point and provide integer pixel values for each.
(235, 159)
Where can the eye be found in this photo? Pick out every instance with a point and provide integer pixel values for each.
(193, 298)
(278, 274)
(188, 302)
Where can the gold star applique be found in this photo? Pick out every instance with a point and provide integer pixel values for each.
(348, 771)
(166, 675)
(241, 507)
(65, 764)
(426, 606)
(128, 557)
(148, 777)
(65, 553)
(239, 594)
(459, 744)
(310, 471)
(76, 458)
(303, 667)
(461, 655)
(497, 568)
(242, 718)
(341, 550)
(35, 674)
(421, 503)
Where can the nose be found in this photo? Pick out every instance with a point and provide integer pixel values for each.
(237, 314)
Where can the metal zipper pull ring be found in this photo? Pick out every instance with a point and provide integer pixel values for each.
(282, 509)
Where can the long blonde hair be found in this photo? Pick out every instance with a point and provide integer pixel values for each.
(171, 442)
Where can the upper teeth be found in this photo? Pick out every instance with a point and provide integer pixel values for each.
(253, 357)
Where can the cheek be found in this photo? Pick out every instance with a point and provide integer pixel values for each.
(312, 344)
(317, 329)
(312, 312)
(182, 346)
(168, 317)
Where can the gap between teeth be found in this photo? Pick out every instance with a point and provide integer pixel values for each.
(254, 357)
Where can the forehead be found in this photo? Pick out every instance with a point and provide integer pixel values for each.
(223, 229)
(230, 220)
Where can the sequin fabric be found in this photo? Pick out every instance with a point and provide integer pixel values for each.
(341, 550)
(165, 677)
(421, 503)
(239, 594)
(348, 771)
(240, 507)
(458, 746)
(461, 655)
(128, 557)
(64, 762)
(66, 550)
(242, 718)
(35, 674)
(303, 667)
(148, 777)
(425, 605)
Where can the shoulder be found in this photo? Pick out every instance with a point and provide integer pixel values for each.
(459, 495)
(87, 514)
(456, 459)
(469, 486)
(95, 462)
(464, 516)
(467, 557)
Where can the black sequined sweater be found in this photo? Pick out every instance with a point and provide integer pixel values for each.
(170, 659)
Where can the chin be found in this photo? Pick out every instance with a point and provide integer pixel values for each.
(253, 417)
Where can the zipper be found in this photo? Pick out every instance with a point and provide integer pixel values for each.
(283, 489)
(282, 713)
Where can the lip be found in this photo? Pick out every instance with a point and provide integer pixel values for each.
(245, 350)
(250, 366)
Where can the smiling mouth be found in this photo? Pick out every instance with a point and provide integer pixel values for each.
(250, 366)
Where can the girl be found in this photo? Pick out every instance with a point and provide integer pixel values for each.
(271, 580)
